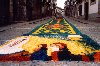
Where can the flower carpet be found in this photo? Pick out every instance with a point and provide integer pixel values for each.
(56, 40)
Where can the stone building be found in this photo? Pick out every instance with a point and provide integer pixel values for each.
(89, 9)
(70, 8)
(4, 11)
(47, 8)
(83, 9)
(23, 10)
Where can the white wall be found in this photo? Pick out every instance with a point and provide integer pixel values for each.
(93, 8)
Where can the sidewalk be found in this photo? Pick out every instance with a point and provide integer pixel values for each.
(90, 28)
(15, 30)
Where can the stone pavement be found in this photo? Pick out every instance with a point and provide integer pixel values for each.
(11, 31)
(90, 28)
(48, 63)
(15, 30)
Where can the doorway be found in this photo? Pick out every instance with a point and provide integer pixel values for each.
(86, 10)
(4, 12)
(80, 10)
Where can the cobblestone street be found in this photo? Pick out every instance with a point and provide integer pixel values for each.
(49, 32)
(92, 29)
(15, 30)
(49, 63)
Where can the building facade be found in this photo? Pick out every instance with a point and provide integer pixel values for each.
(86, 9)
(23, 10)
(89, 9)
(70, 8)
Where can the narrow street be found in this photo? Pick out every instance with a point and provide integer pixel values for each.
(49, 33)
(15, 30)
(20, 29)
(90, 28)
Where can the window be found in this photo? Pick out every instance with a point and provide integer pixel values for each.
(93, 2)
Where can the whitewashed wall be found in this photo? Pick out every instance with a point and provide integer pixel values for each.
(93, 8)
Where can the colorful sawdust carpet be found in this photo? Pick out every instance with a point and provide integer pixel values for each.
(55, 40)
